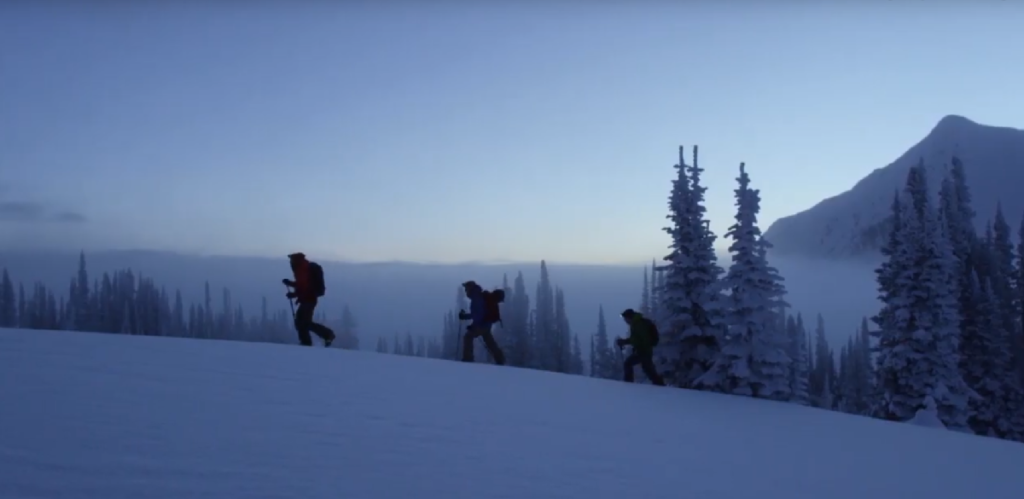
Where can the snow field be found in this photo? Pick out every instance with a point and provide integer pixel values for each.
(87, 415)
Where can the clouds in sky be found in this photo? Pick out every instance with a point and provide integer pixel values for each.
(15, 211)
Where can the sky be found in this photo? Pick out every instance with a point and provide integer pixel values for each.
(464, 131)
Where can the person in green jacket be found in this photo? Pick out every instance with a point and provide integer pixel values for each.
(643, 337)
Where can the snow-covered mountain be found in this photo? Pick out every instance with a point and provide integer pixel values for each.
(122, 417)
(853, 224)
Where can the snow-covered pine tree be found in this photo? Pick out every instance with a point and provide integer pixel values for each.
(988, 359)
(544, 323)
(657, 279)
(1005, 291)
(986, 363)
(863, 371)
(952, 406)
(1018, 335)
(604, 362)
(844, 393)
(534, 341)
(955, 207)
(978, 313)
(798, 355)
(955, 204)
(792, 349)
(888, 271)
(516, 341)
(1002, 277)
(771, 347)
(919, 337)
(8, 302)
(645, 296)
(450, 348)
(563, 338)
(820, 384)
(576, 365)
(80, 300)
(590, 360)
(689, 298)
(854, 374)
(753, 359)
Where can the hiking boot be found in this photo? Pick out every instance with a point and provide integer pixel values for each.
(329, 340)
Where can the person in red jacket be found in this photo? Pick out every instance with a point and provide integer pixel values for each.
(306, 294)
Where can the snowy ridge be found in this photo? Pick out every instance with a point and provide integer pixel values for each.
(116, 417)
(852, 224)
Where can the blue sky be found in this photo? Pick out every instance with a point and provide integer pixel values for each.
(462, 131)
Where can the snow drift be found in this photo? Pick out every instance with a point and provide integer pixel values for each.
(116, 417)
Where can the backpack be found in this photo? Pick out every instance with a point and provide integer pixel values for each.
(652, 330)
(492, 312)
(316, 279)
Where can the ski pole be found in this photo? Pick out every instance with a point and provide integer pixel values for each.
(291, 303)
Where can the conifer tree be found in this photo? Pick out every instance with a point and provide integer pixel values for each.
(604, 359)
(820, 383)
(576, 366)
(409, 348)
(563, 335)
(1017, 338)
(80, 300)
(863, 371)
(657, 282)
(919, 336)
(986, 365)
(8, 302)
(689, 300)
(753, 358)
(645, 296)
(821, 375)
(544, 326)
(798, 373)
(516, 328)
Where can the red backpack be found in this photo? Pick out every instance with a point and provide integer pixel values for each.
(492, 300)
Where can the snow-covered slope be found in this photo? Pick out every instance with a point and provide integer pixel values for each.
(852, 223)
(118, 417)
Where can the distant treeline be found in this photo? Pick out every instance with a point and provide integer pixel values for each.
(129, 303)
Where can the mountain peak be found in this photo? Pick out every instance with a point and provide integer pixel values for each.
(953, 123)
(853, 223)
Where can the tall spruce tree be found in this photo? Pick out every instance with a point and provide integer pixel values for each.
(820, 383)
(8, 302)
(1017, 339)
(516, 328)
(645, 296)
(576, 363)
(753, 358)
(544, 323)
(689, 300)
(863, 371)
(798, 373)
(919, 336)
(604, 362)
(563, 335)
